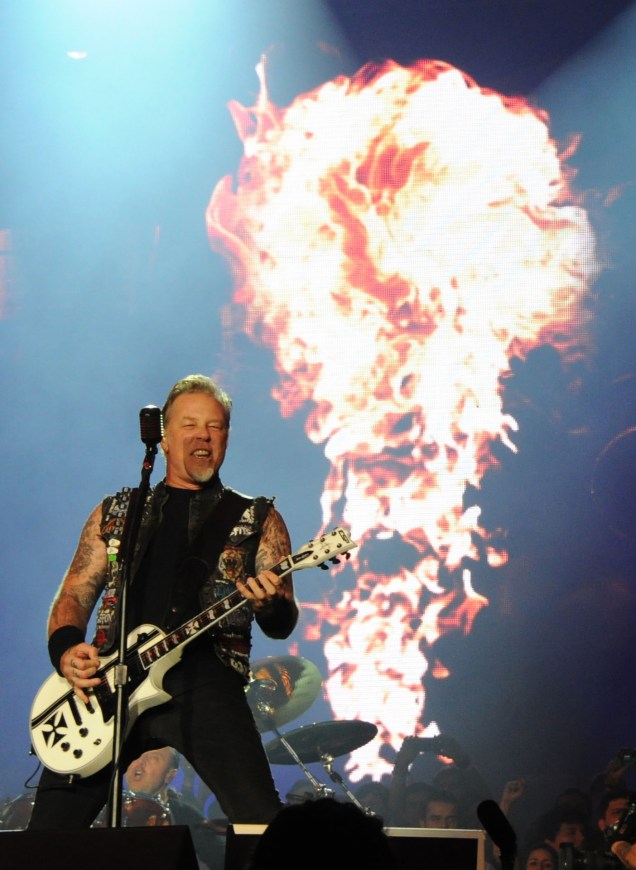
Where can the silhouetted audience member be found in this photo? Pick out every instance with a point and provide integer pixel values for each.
(609, 812)
(323, 833)
(467, 786)
(562, 824)
(441, 811)
(374, 796)
(540, 857)
(412, 806)
(576, 799)
(614, 778)
(611, 807)
(512, 791)
(460, 778)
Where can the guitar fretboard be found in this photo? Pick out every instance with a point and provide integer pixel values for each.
(192, 629)
(205, 620)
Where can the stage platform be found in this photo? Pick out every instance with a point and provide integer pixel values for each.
(414, 848)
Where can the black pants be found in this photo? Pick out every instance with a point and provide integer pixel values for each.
(208, 721)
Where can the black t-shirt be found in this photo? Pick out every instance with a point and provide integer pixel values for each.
(152, 589)
(167, 577)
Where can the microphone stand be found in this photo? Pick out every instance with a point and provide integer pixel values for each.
(127, 549)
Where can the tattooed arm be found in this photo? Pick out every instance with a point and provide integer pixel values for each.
(72, 608)
(272, 597)
(84, 579)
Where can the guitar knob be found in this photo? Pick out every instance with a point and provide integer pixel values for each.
(77, 753)
(65, 747)
(83, 732)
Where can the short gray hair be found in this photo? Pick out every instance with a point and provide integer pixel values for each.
(198, 384)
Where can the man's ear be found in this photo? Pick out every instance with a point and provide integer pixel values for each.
(170, 775)
(164, 445)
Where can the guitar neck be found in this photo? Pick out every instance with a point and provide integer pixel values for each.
(203, 621)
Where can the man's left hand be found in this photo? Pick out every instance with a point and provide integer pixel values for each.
(262, 589)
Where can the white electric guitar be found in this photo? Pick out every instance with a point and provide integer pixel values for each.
(71, 737)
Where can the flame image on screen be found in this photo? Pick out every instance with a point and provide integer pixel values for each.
(396, 238)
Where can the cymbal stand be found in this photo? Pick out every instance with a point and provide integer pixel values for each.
(327, 763)
(266, 711)
(322, 791)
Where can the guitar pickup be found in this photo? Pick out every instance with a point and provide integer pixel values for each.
(74, 710)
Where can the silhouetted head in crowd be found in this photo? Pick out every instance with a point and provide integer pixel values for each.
(374, 796)
(540, 857)
(416, 796)
(563, 824)
(441, 810)
(611, 807)
(575, 799)
(323, 834)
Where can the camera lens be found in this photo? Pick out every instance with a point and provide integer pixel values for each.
(573, 859)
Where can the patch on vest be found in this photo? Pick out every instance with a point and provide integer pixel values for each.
(233, 564)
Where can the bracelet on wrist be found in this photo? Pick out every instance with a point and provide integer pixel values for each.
(63, 638)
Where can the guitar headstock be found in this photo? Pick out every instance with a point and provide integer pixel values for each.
(327, 548)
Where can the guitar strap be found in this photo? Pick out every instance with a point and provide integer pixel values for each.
(215, 530)
(203, 555)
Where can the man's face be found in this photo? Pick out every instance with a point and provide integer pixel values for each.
(613, 812)
(151, 772)
(195, 440)
(540, 859)
(440, 814)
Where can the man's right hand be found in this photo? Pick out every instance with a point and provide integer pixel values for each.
(407, 753)
(79, 664)
(625, 852)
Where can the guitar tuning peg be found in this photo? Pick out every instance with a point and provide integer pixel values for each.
(324, 566)
(335, 560)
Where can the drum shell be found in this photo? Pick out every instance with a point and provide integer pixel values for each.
(138, 811)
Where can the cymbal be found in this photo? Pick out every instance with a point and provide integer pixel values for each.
(314, 742)
(282, 688)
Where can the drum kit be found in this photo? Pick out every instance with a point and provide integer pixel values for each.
(281, 690)
(137, 811)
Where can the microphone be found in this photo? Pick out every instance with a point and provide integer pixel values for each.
(499, 830)
(151, 425)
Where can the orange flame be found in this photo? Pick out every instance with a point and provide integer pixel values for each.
(396, 238)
